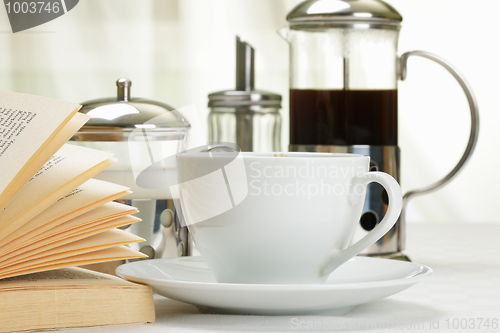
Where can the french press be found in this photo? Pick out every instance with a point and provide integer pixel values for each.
(344, 73)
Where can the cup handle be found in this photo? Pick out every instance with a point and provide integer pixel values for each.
(338, 257)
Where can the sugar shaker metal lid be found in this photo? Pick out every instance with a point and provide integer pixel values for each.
(244, 96)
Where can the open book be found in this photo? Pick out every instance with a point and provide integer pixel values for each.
(72, 297)
(52, 214)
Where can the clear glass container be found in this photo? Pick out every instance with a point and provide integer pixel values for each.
(253, 129)
(141, 132)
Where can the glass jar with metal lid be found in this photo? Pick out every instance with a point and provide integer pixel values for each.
(140, 132)
(245, 116)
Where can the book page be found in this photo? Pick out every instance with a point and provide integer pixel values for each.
(68, 168)
(111, 254)
(96, 242)
(74, 124)
(27, 124)
(93, 228)
(70, 231)
(85, 198)
(62, 277)
(89, 227)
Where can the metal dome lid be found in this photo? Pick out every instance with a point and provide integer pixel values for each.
(125, 114)
(344, 13)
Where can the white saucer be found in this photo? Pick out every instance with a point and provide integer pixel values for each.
(360, 280)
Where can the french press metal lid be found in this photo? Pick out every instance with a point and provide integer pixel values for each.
(344, 13)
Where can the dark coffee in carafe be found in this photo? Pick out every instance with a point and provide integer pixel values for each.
(343, 117)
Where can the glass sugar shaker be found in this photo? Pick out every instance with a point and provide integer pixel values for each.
(245, 116)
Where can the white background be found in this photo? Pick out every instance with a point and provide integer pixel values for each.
(178, 51)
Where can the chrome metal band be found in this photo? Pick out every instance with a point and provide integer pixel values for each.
(385, 159)
(342, 23)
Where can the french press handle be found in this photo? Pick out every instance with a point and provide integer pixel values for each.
(474, 130)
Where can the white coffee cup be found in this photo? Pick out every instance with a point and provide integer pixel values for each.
(279, 217)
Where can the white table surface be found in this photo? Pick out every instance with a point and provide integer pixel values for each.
(462, 295)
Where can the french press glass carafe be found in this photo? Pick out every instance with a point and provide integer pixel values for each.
(344, 72)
